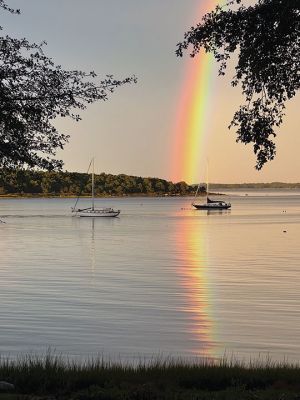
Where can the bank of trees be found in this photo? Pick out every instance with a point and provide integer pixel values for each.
(30, 182)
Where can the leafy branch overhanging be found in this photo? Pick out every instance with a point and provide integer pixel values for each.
(33, 92)
(267, 39)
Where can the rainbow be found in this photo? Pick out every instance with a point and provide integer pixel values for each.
(194, 110)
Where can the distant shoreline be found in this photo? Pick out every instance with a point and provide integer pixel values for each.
(150, 195)
(271, 185)
(20, 183)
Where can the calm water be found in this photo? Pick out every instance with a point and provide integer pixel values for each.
(162, 278)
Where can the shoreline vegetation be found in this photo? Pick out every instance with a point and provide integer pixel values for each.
(29, 183)
(51, 376)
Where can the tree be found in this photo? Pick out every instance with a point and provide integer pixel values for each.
(267, 39)
(33, 92)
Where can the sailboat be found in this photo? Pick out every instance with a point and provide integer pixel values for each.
(210, 204)
(93, 211)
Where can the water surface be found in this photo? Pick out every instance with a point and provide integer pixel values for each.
(161, 278)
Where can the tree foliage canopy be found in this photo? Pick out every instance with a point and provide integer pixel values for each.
(267, 39)
(33, 92)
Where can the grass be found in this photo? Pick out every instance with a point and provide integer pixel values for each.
(52, 377)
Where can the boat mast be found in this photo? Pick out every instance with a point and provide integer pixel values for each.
(93, 182)
(206, 181)
(198, 187)
(74, 209)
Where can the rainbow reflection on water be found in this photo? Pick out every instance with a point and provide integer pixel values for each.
(192, 255)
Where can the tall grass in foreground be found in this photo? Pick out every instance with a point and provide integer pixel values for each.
(55, 374)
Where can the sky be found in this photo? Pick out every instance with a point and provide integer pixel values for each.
(135, 131)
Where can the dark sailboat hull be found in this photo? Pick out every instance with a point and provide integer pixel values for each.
(212, 206)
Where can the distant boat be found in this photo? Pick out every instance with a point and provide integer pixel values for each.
(210, 204)
(94, 211)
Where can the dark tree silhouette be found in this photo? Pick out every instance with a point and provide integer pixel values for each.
(33, 92)
(267, 39)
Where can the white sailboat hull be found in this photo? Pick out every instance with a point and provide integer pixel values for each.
(96, 213)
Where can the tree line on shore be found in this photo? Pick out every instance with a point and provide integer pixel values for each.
(22, 182)
(39, 183)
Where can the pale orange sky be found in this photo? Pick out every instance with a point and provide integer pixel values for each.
(132, 132)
